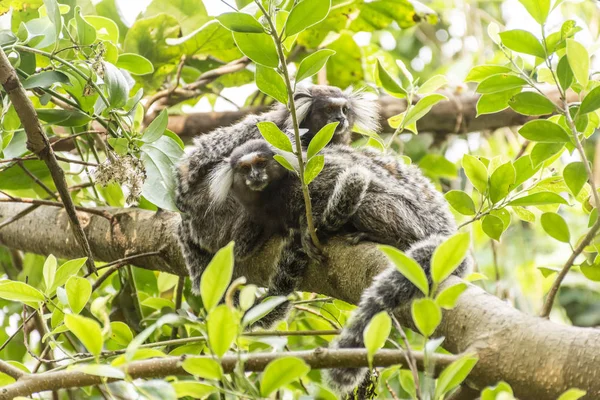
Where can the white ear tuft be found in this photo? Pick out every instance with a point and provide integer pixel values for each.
(366, 111)
(220, 180)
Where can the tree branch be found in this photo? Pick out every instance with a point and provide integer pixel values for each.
(11, 370)
(37, 143)
(254, 362)
(538, 358)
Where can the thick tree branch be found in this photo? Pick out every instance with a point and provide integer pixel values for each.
(37, 143)
(540, 359)
(255, 362)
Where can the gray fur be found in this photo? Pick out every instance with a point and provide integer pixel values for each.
(209, 223)
(366, 196)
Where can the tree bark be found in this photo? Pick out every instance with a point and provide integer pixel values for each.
(538, 358)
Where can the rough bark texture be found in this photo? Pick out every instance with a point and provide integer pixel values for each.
(540, 359)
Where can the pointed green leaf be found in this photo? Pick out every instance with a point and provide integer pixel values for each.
(86, 33)
(448, 256)
(453, 375)
(426, 315)
(538, 199)
(156, 128)
(306, 14)
(538, 9)
(313, 64)
(461, 202)
(281, 372)
(314, 166)
(556, 227)
(523, 41)
(376, 333)
(572, 394)
(216, 277)
(575, 176)
(65, 271)
(205, 368)
(407, 267)
(481, 72)
(564, 73)
(385, 80)
(19, 291)
(271, 83)
(448, 297)
(422, 107)
(118, 89)
(259, 47)
(541, 130)
(476, 172)
(494, 102)
(284, 162)
(321, 139)
(222, 328)
(49, 272)
(46, 79)
(79, 291)
(432, 84)
(492, 226)
(579, 61)
(499, 83)
(501, 181)
(543, 151)
(87, 331)
(531, 103)
(591, 101)
(275, 136)
(135, 64)
(240, 22)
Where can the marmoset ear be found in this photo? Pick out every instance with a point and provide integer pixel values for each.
(220, 180)
(365, 110)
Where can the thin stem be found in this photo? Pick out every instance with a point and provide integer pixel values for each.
(410, 358)
(292, 109)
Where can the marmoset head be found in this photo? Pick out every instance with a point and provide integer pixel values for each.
(248, 172)
(320, 105)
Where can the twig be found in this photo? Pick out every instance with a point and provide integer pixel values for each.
(314, 312)
(75, 161)
(127, 259)
(11, 370)
(36, 180)
(253, 362)
(37, 143)
(37, 202)
(410, 358)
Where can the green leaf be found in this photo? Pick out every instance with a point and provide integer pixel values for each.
(262, 309)
(284, 162)
(240, 22)
(118, 89)
(481, 72)
(433, 84)
(19, 291)
(204, 368)
(543, 151)
(281, 372)
(538, 9)
(538, 199)
(407, 381)
(579, 61)
(422, 107)
(494, 102)
(476, 172)
(531, 103)
(306, 14)
(376, 333)
(314, 166)
(53, 11)
(407, 267)
(87, 331)
(525, 169)
(79, 291)
(426, 315)
(65, 271)
(193, 389)
(49, 272)
(159, 159)
(542, 130)
(259, 47)
(491, 393)
(385, 80)
(106, 29)
(501, 181)
(135, 64)
(564, 73)
(271, 83)
(523, 42)
(156, 128)
(499, 83)
(591, 271)
(448, 256)
(313, 63)
(275, 136)
(86, 33)
(591, 101)
(119, 145)
(45, 79)
(572, 394)
(321, 139)
(216, 277)
(575, 176)
(55, 116)
(448, 297)
(120, 333)
(492, 226)
(222, 329)
(461, 202)
(453, 375)
(556, 227)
